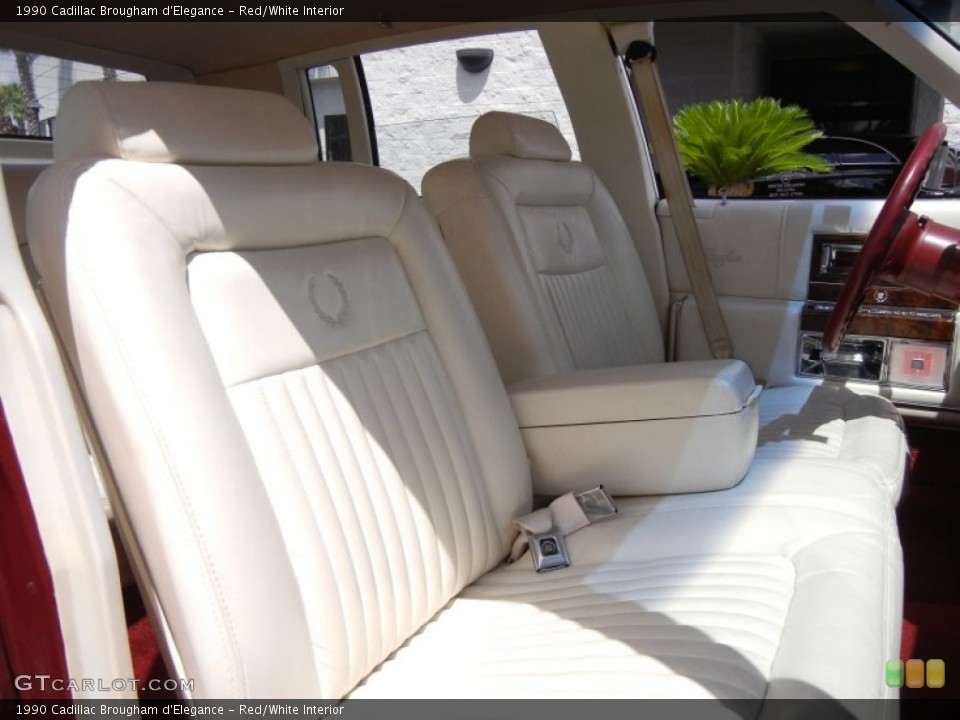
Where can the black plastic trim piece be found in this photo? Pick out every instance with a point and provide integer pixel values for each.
(640, 50)
(368, 108)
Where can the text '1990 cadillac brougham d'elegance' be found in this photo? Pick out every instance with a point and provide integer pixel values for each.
(392, 356)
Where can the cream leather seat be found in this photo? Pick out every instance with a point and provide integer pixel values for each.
(320, 463)
(558, 286)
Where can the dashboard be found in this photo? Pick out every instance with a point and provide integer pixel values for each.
(899, 337)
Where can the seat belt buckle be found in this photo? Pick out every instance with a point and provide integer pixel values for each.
(596, 503)
(548, 551)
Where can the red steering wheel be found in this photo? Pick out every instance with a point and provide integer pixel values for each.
(893, 215)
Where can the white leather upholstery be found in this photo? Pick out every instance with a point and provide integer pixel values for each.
(125, 123)
(558, 286)
(640, 429)
(631, 393)
(500, 133)
(547, 258)
(321, 464)
(280, 461)
(708, 604)
(721, 594)
(833, 423)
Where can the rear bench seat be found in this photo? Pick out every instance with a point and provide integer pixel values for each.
(321, 465)
(558, 286)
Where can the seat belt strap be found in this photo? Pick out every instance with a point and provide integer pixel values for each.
(543, 531)
(640, 59)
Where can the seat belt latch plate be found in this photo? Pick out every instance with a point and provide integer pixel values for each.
(548, 551)
(596, 503)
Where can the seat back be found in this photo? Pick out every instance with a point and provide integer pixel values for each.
(304, 423)
(544, 252)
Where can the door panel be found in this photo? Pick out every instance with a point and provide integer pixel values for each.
(58, 476)
(763, 333)
(759, 252)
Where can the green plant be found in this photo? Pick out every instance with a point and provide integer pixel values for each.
(13, 109)
(731, 142)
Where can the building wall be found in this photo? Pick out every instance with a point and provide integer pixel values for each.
(929, 107)
(424, 103)
(951, 116)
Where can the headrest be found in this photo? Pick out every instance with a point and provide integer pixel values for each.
(179, 123)
(521, 136)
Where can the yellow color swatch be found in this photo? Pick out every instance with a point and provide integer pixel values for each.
(914, 673)
(936, 673)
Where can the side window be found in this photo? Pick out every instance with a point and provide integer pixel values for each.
(869, 108)
(337, 136)
(425, 98)
(330, 113)
(31, 86)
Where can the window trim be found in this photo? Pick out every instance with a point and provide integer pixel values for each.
(367, 110)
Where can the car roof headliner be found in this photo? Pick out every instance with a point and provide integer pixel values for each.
(204, 47)
(209, 47)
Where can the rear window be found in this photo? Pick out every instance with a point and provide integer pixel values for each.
(31, 86)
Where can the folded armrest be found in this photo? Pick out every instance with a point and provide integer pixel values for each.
(640, 430)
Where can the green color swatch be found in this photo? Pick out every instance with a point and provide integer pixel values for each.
(894, 673)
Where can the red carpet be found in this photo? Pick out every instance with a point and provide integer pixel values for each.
(929, 516)
(147, 662)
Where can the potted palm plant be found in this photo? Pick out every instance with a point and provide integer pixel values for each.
(728, 143)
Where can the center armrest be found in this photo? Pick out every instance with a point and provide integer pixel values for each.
(639, 392)
(645, 429)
